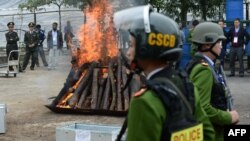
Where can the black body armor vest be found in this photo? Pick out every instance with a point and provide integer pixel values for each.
(177, 95)
(218, 97)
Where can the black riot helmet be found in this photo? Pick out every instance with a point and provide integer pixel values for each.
(156, 35)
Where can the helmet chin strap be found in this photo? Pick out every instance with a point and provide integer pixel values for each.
(210, 49)
(135, 67)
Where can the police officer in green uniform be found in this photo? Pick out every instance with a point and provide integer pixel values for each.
(31, 40)
(208, 38)
(166, 104)
(12, 39)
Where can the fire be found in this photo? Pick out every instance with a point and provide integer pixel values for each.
(64, 102)
(97, 35)
(98, 42)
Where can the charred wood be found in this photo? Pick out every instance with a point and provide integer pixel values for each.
(66, 88)
(86, 79)
(84, 94)
(113, 87)
(87, 102)
(102, 84)
(94, 89)
(79, 72)
(119, 83)
(125, 90)
(105, 102)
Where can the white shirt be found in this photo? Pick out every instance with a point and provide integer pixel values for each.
(211, 62)
(54, 36)
(154, 72)
(237, 30)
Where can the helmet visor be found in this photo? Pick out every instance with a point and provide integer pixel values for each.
(125, 18)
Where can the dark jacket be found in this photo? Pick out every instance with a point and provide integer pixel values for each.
(224, 42)
(31, 38)
(242, 35)
(59, 39)
(11, 37)
(41, 36)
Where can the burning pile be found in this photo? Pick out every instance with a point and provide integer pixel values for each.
(99, 88)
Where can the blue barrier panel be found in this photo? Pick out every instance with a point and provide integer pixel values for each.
(186, 49)
(186, 55)
(247, 50)
(184, 60)
(234, 9)
(248, 30)
(186, 31)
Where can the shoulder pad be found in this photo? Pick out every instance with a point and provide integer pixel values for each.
(203, 63)
(140, 92)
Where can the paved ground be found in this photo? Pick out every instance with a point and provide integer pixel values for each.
(29, 120)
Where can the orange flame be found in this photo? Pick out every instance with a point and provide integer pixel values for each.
(97, 35)
(97, 39)
(63, 102)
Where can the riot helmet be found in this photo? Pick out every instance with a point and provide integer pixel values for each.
(207, 33)
(156, 35)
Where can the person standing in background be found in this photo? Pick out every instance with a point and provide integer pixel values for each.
(68, 34)
(31, 39)
(55, 44)
(236, 37)
(40, 45)
(224, 43)
(181, 36)
(181, 40)
(12, 39)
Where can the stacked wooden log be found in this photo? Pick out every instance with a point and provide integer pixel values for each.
(101, 87)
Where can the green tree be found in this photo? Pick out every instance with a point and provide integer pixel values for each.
(32, 5)
(180, 8)
(208, 8)
(79, 3)
(177, 8)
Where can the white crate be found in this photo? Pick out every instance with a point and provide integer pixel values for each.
(87, 132)
(2, 118)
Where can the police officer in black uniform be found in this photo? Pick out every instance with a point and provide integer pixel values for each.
(31, 39)
(12, 38)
